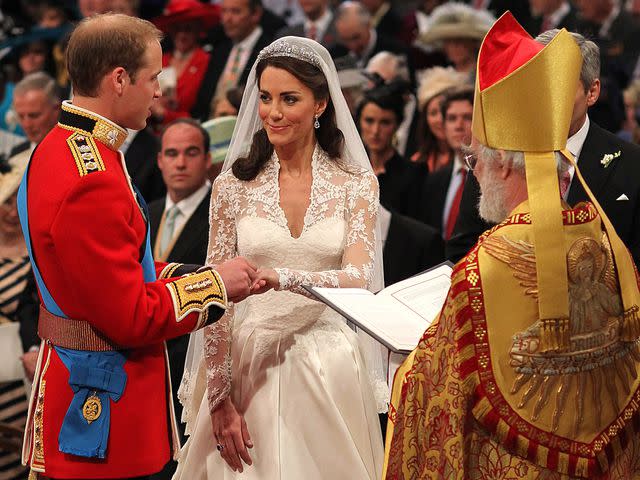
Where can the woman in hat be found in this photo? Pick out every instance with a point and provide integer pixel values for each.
(458, 29)
(18, 303)
(433, 148)
(185, 21)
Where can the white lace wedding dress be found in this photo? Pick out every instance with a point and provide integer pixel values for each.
(293, 369)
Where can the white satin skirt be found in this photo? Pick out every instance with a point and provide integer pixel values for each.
(306, 397)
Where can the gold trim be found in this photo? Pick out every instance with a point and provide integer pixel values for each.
(37, 457)
(168, 271)
(86, 153)
(196, 293)
(112, 135)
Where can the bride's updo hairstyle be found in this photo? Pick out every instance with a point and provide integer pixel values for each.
(329, 136)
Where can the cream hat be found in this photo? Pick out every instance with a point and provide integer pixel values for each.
(10, 181)
(457, 20)
(436, 80)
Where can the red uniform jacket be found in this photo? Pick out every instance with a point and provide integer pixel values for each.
(86, 233)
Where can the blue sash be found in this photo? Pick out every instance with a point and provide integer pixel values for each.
(92, 375)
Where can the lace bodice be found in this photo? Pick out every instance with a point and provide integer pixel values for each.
(335, 249)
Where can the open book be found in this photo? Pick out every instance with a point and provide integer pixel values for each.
(398, 315)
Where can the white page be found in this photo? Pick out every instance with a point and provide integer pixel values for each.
(398, 327)
(423, 294)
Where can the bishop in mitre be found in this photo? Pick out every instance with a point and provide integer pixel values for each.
(531, 368)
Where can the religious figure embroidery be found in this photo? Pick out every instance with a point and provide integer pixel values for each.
(595, 313)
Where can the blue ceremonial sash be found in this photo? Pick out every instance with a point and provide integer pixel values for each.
(92, 375)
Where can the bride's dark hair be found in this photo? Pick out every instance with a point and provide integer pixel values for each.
(329, 136)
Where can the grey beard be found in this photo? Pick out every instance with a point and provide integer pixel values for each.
(491, 205)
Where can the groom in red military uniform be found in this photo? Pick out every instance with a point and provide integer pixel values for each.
(102, 392)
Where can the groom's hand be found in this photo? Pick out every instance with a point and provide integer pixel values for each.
(238, 276)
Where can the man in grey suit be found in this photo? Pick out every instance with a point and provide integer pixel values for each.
(318, 24)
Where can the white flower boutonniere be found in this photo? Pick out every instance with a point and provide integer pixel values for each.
(608, 157)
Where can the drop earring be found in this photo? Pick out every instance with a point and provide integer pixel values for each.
(316, 124)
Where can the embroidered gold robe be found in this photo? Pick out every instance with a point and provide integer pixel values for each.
(477, 400)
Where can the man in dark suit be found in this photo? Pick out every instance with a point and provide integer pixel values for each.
(319, 24)
(409, 246)
(140, 152)
(233, 57)
(549, 14)
(358, 39)
(180, 222)
(442, 192)
(610, 166)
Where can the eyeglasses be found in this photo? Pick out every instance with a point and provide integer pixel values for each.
(470, 160)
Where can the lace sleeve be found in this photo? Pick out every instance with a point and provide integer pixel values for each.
(359, 253)
(217, 337)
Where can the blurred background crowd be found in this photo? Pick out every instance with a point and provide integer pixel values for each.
(407, 70)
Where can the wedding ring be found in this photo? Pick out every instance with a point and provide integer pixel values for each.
(220, 447)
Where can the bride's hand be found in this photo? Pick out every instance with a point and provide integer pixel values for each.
(231, 435)
(265, 279)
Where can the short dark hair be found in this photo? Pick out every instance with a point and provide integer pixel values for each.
(206, 141)
(457, 94)
(387, 97)
(101, 43)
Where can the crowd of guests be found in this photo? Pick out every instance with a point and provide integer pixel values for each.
(407, 70)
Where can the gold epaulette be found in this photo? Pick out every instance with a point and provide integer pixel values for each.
(86, 154)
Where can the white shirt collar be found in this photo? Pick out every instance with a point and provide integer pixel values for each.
(250, 41)
(188, 205)
(559, 14)
(576, 141)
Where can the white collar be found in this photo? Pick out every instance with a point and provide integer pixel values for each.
(250, 41)
(576, 141)
(559, 14)
(188, 205)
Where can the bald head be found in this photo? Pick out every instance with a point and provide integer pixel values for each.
(103, 42)
(353, 25)
(353, 12)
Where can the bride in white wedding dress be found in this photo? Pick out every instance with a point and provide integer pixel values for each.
(283, 390)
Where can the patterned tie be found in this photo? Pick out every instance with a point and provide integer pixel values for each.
(169, 228)
(312, 31)
(230, 78)
(455, 205)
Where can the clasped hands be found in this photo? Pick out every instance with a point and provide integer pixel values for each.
(242, 278)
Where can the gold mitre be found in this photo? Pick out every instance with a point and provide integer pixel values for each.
(524, 101)
(524, 90)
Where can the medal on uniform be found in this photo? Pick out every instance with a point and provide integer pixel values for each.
(92, 408)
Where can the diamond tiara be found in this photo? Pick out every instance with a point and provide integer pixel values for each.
(285, 49)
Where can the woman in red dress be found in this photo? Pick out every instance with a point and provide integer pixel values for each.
(184, 66)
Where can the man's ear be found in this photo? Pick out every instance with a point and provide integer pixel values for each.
(118, 79)
(593, 93)
(505, 168)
